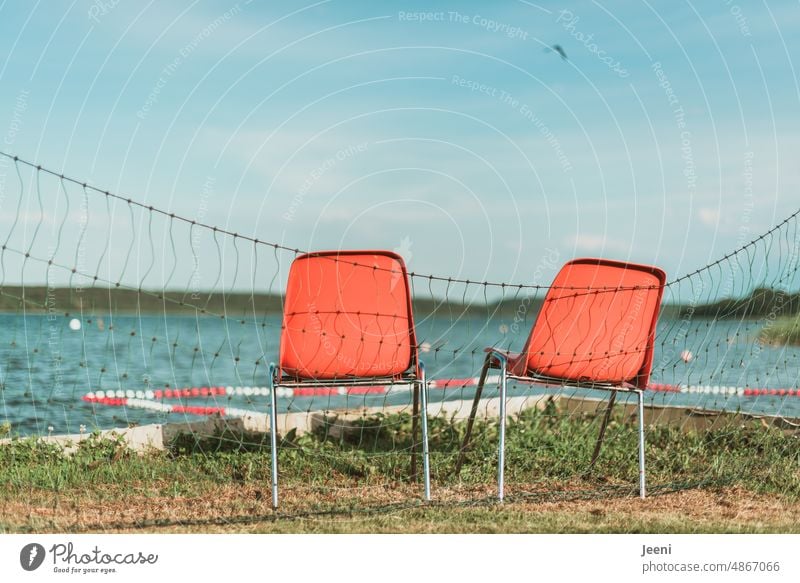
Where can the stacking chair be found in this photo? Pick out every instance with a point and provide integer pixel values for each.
(595, 330)
(348, 322)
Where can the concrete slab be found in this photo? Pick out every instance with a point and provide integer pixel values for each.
(159, 436)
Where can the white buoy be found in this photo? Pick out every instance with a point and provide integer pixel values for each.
(425, 347)
(686, 356)
(75, 324)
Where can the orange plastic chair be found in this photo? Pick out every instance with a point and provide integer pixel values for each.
(347, 321)
(595, 329)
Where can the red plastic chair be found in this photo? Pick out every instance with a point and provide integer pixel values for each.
(348, 321)
(596, 329)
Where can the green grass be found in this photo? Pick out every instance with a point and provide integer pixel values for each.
(360, 482)
(785, 330)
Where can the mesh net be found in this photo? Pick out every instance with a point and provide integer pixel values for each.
(119, 315)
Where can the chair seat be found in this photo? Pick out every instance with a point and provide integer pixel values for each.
(287, 381)
(577, 384)
(518, 372)
(519, 368)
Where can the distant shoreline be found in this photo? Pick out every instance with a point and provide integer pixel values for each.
(68, 301)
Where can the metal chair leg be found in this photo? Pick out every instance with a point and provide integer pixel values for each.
(462, 452)
(414, 429)
(501, 457)
(642, 489)
(602, 434)
(273, 434)
(426, 467)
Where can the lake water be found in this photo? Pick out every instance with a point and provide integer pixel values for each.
(46, 367)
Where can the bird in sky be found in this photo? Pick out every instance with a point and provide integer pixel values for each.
(559, 49)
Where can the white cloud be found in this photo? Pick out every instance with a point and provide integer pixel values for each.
(709, 216)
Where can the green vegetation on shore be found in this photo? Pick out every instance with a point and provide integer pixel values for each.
(102, 300)
(221, 481)
(64, 301)
(784, 330)
(762, 302)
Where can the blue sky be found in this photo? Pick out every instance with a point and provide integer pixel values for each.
(669, 136)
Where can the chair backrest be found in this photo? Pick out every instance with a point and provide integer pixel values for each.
(347, 314)
(597, 323)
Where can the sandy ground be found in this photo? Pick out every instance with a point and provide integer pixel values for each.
(247, 508)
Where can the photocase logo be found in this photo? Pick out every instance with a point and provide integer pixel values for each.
(31, 556)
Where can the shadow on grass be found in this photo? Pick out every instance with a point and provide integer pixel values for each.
(546, 451)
